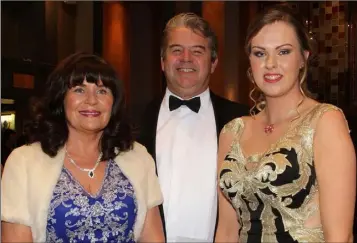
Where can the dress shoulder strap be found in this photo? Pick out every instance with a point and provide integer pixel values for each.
(235, 127)
(321, 109)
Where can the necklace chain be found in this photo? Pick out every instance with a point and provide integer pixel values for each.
(269, 128)
(90, 171)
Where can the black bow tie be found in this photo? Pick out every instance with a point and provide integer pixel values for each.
(194, 104)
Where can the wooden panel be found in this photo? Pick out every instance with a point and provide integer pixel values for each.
(66, 29)
(116, 46)
(213, 12)
(24, 81)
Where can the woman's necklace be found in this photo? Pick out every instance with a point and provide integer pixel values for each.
(90, 171)
(269, 128)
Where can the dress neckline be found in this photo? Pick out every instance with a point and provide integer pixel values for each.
(273, 145)
(99, 192)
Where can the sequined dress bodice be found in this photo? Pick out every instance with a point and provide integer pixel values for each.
(77, 216)
(274, 198)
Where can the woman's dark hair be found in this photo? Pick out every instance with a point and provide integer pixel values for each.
(49, 125)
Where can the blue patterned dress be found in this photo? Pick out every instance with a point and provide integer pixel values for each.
(77, 216)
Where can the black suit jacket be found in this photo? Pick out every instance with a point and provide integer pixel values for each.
(224, 111)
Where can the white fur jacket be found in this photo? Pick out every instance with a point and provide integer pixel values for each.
(30, 176)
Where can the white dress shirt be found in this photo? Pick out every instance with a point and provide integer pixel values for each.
(186, 154)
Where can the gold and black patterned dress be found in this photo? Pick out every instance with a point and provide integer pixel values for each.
(274, 197)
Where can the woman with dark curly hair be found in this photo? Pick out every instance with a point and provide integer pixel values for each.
(82, 178)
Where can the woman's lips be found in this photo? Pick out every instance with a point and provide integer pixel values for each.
(90, 113)
(272, 77)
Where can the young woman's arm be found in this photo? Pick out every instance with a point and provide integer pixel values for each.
(227, 228)
(335, 162)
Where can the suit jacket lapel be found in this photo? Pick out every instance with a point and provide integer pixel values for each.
(148, 138)
(215, 104)
(148, 134)
(152, 120)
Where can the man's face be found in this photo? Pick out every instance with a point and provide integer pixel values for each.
(187, 62)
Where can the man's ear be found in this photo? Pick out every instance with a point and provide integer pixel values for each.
(214, 65)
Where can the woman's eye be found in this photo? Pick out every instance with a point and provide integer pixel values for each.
(78, 90)
(258, 53)
(284, 52)
(102, 91)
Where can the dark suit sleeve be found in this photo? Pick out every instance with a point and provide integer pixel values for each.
(227, 110)
(147, 127)
(147, 137)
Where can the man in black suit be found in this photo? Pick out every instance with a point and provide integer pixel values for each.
(181, 130)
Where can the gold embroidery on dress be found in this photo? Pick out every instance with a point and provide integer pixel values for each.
(247, 189)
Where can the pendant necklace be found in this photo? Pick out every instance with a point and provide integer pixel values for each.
(269, 128)
(90, 172)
